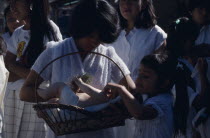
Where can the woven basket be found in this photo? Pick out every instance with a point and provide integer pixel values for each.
(68, 119)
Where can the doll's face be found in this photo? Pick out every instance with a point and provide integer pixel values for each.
(146, 82)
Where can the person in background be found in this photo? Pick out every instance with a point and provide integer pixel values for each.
(140, 36)
(27, 43)
(11, 24)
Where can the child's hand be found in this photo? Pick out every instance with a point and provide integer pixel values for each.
(202, 66)
(112, 90)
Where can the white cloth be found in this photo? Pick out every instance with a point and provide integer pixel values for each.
(204, 37)
(4, 74)
(101, 70)
(20, 39)
(20, 118)
(162, 125)
(138, 43)
(132, 48)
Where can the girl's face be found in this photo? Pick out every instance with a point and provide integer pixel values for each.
(199, 15)
(129, 9)
(146, 82)
(12, 22)
(22, 9)
(89, 42)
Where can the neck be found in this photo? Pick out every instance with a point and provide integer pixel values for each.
(130, 26)
(27, 23)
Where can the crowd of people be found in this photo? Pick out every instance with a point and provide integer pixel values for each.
(168, 69)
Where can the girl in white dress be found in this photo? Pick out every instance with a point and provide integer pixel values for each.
(140, 36)
(26, 45)
(4, 74)
(94, 22)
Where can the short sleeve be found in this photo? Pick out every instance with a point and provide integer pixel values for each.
(160, 37)
(42, 61)
(162, 103)
(116, 73)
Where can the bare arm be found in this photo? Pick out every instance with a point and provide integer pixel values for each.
(14, 67)
(27, 92)
(136, 109)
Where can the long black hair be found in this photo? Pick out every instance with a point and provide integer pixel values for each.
(40, 27)
(146, 18)
(181, 32)
(6, 12)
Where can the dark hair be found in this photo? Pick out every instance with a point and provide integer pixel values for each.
(167, 67)
(199, 4)
(3, 46)
(40, 27)
(146, 18)
(179, 32)
(6, 11)
(95, 16)
(164, 65)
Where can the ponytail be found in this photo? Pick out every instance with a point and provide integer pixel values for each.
(40, 28)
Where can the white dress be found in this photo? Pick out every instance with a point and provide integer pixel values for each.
(4, 74)
(204, 37)
(132, 48)
(101, 70)
(162, 125)
(20, 118)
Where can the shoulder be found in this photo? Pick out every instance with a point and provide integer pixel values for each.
(54, 26)
(159, 31)
(161, 99)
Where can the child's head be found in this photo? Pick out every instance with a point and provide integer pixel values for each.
(140, 12)
(11, 20)
(94, 22)
(156, 74)
(200, 11)
(181, 38)
(21, 8)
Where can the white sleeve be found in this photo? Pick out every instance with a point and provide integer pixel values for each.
(160, 38)
(12, 46)
(116, 73)
(42, 61)
(57, 31)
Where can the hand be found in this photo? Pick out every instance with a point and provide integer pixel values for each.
(202, 66)
(112, 90)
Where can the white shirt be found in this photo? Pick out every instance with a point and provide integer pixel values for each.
(102, 70)
(137, 44)
(20, 39)
(4, 74)
(162, 125)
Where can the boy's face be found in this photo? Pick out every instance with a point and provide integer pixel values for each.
(146, 82)
(199, 15)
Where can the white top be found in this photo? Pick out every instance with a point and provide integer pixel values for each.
(162, 125)
(101, 70)
(4, 74)
(20, 39)
(138, 43)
